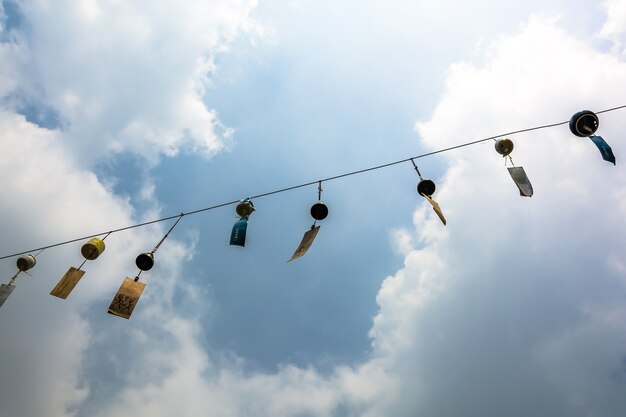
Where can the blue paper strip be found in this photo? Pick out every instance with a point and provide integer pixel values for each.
(605, 149)
(238, 235)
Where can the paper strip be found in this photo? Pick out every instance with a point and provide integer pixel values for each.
(238, 234)
(126, 298)
(436, 208)
(521, 180)
(604, 148)
(307, 241)
(5, 291)
(67, 283)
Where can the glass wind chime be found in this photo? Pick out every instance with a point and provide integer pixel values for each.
(319, 212)
(24, 264)
(426, 188)
(128, 295)
(584, 124)
(238, 235)
(504, 147)
(90, 251)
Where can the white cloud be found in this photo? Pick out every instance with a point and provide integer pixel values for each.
(121, 77)
(498, 313)
(128, 76)
(513, 309)
(505, 312)
(613, 29)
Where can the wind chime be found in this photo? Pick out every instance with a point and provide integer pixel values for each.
(128, 295)
(23, 263)
(319, 212)
(504, 147)
(426, 188)
(90, 251)
(238, 235)
(584, 124)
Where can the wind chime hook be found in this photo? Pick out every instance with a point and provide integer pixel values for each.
(416, 168)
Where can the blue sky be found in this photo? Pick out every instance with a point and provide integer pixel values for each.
(116, 113)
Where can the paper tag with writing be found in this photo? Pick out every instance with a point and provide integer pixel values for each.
(126, 298)
(238, 234)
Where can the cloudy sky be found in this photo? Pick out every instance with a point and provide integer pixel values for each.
(116, 112)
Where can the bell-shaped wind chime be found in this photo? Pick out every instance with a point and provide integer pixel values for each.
(90, 251)
(238, 235)
(426, 188)
(24, 263)
(319, 211)
(504, 147)
(128, 295)
(584, 124)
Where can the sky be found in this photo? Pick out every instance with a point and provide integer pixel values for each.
(114, 113)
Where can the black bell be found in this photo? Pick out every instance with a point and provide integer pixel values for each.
(504, 146)
(145, 261)
(426, 187)
(584, 123)
(319, 211)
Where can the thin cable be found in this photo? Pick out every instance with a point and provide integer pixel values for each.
(168, 233)
(416, 169)
(282, 190)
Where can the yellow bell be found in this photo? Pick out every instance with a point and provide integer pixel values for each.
(93, 248)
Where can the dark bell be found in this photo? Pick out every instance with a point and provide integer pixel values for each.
(584, 123)
(145, 261)
(319, 211)
(426, 187)
(26, 262)
(244, 208)
(504, 146)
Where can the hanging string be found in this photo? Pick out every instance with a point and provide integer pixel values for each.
(168, 233)
(282, 190)
(416, 168)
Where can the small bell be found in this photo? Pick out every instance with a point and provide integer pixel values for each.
(145, 261)
(426, 187)
(93, 248)
(504, 146)
(584, 123)
(24, 263)
(244, 208)
(319, 211)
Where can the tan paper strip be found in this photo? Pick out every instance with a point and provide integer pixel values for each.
(126, 298)
(307, 241)
(67, 283)
(436, 208)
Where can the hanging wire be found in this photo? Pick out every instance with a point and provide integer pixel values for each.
(168, 233)
(416, 168)
(282, 190)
